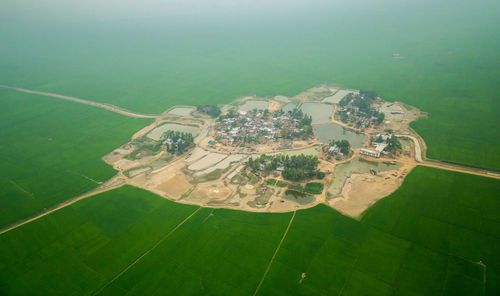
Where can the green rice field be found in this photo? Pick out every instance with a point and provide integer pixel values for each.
(438, 234)
(418, 241)
(50, 151)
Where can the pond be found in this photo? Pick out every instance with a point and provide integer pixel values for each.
(156, 133)
(298, 197)
(357, 165)
(289, 107)
(335, 99)
(319, 112)
(181, 111)
(282, 99)
(332, 131)
(306, 151)
(253, 104)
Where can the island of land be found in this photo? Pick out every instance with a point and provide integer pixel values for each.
(341, 147)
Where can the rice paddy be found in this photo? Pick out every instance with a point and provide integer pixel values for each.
(92, 242)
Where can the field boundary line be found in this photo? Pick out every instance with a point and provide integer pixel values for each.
(105, 106)
(146, 252)
(274, 255)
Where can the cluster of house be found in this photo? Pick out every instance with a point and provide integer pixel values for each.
(335, 150)
(353, 115)
(378, 146)
(255, 126)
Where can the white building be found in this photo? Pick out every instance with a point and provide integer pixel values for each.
(368, 152)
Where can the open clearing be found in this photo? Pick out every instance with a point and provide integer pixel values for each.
(175, 187)
(362, 190)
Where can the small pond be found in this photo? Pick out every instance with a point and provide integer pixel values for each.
(289, 107)
(332, 131)
(305, 151)
(253, 104)
(182, 111)
(357, 165)
(298, 197)
(282, 99)
(156, 133)
(319, 112)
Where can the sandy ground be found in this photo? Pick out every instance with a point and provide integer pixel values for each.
(361, 191)
(274, 105)
(175, 187)
(207, 161)
(207, 193)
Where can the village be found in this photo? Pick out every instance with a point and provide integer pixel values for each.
(274, 154)
(357, 110)
(260, 126)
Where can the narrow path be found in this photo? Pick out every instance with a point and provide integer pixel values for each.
(104, 106)
(274, 255)
(85, 177)
(145, 253)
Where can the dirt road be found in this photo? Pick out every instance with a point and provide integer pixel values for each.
(104, 106)
(423, 161)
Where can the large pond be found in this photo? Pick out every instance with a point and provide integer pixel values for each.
(298, 197)
(357, 165)
(332, 131)
(156, 133)
(254, 104)
(319, 112)
(182, 111)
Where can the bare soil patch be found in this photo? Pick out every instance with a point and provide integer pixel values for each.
(274, 105)
(175, 187)
(361, 191)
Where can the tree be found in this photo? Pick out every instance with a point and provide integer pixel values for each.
(380, 117)
(211, 110)
(393, 144)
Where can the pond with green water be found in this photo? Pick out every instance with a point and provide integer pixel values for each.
(298, 197)
(331, 131)
(156, 133)
(253, 104)
(318, 111)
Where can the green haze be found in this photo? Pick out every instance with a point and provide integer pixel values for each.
(148, 61)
